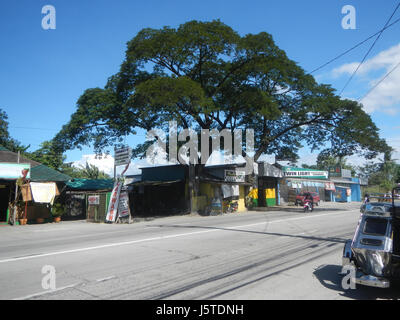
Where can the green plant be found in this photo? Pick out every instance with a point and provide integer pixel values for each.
(57, 210)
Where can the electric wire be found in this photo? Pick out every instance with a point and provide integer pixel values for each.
(354, 47)
(379, 82)
(369, 50)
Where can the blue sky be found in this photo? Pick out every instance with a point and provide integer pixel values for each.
(43, 72)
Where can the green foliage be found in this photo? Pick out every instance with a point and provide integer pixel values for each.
(326, 161)
(205, 75)
(5, 139)
(48, 155)
(57, 210)
(89, 171)
(384, 174)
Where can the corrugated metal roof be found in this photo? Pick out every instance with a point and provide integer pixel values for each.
(12, 157)
(90, 184)
(44, 173)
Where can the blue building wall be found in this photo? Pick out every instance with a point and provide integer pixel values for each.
(340, 195)
(355, 190)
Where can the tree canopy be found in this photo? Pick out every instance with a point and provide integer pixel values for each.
(5, 139)
(205, 75)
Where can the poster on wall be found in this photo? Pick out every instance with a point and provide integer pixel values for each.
(94, 200)
(330, 186)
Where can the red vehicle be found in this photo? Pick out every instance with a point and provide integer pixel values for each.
(300, 198)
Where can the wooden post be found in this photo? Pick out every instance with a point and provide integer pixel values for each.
(16, 195)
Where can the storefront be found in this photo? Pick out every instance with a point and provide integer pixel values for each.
(299, 180)
(160, 191)
(268, 186)
(87, 199)
(221, 186)
(35, 192)
(347, 188)
(9, 173)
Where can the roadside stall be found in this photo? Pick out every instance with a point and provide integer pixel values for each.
(9, 175)
(159, 191)
(30, 185)
(224, 186)
(88, 199)
(268, 191)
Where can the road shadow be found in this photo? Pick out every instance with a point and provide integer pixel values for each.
(297, 209)
(277, 234)
(329, 277)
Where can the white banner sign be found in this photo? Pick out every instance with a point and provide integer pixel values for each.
(234, 176)
(43, 192)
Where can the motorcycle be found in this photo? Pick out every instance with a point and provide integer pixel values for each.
(307, 206)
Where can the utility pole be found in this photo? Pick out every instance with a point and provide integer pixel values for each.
(16, 195)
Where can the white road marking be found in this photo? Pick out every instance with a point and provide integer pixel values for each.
(50, 230)
(105, 279)
(46, 292)
(166, 237)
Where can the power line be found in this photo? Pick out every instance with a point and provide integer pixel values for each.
(369, 50)
(352, 48)
(380, 81)
(31, 128)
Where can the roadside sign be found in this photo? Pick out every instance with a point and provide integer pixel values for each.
(234, 176)
(15, 170)
(123, 206)
(94, 200)
(122, 156)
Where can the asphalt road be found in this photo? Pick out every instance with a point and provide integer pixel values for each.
(253, 255)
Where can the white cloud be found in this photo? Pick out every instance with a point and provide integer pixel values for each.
(106, 164)
(386, 96)
(395, 144)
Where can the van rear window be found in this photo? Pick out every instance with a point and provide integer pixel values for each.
(375, 226)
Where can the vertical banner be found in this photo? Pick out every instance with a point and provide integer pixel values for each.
(114, 201)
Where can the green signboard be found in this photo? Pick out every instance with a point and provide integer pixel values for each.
(292, 172)
(335, 171)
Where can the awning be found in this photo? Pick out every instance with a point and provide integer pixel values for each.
(216, 181)
(298, 183)
(153, 183)
(336, 181)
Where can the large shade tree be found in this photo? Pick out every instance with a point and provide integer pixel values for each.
(6, 140)
(204, 75)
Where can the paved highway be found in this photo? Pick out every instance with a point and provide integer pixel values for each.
(254, 255)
